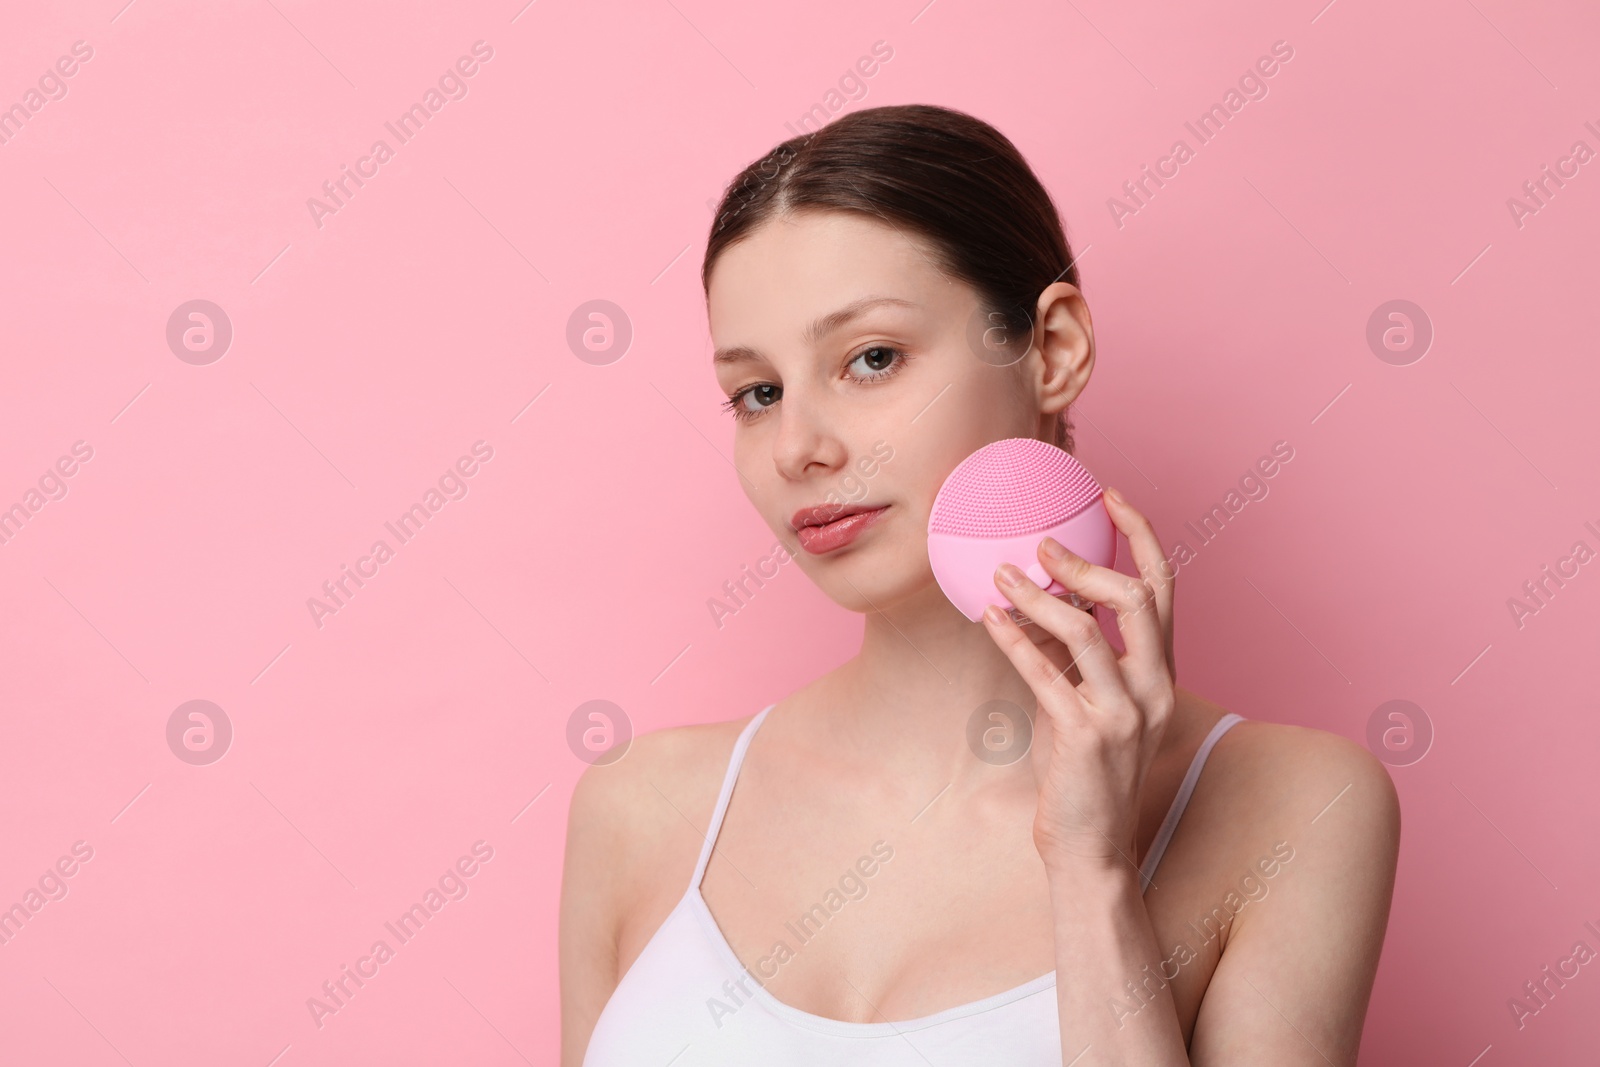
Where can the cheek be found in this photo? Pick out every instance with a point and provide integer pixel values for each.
(759, 479)
(993, 404)
(957, 425)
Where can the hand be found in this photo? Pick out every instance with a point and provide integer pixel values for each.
(1093, 739)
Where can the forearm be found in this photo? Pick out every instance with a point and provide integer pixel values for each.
(1115, 1007)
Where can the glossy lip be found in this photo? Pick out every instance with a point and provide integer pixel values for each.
(821, 537)
(823, 514)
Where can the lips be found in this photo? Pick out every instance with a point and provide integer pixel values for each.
(829, 527)
(823, 514)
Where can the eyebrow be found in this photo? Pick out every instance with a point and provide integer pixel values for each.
(818, 329)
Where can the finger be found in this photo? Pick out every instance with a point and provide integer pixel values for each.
(1094, 656)
(1131, 598)
(1151, 562)
(1056, 695)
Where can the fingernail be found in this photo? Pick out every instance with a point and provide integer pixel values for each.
(993, 615)
(1010, 574)
(1114, 495)
(1053, 548)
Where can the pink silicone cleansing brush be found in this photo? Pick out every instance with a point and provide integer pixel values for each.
(998, 504)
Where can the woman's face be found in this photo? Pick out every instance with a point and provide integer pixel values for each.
(846, 358)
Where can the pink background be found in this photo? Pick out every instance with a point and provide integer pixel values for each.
(372, 352)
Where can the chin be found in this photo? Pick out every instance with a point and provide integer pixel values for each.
(909, 596)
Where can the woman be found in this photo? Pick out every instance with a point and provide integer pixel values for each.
(886, 296)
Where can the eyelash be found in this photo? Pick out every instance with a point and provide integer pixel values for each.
(734, 405)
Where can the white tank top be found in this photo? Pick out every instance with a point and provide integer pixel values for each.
(681, 1003)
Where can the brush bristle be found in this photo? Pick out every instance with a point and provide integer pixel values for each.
(1011, 487)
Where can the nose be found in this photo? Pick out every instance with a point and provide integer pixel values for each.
(805, 446)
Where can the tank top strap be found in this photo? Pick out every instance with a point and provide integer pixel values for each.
(1169, 825)
(728, 779)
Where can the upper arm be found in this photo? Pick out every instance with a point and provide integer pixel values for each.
(1293, 982)
(591, 896)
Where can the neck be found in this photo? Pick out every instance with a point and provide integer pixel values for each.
(906, 699)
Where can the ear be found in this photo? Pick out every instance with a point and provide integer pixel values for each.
(1064, 342)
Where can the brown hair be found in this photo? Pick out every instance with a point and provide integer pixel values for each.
(949, 177)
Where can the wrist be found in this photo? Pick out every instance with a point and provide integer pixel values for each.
(1094, 908)
(1091, 878)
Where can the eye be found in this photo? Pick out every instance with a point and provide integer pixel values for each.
(872, 364)
(752, 400)
(876, 361)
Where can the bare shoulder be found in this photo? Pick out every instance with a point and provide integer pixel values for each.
(678, 764)
(1298, 776)
(667, 778)
(636, 826)
(1265, 777)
